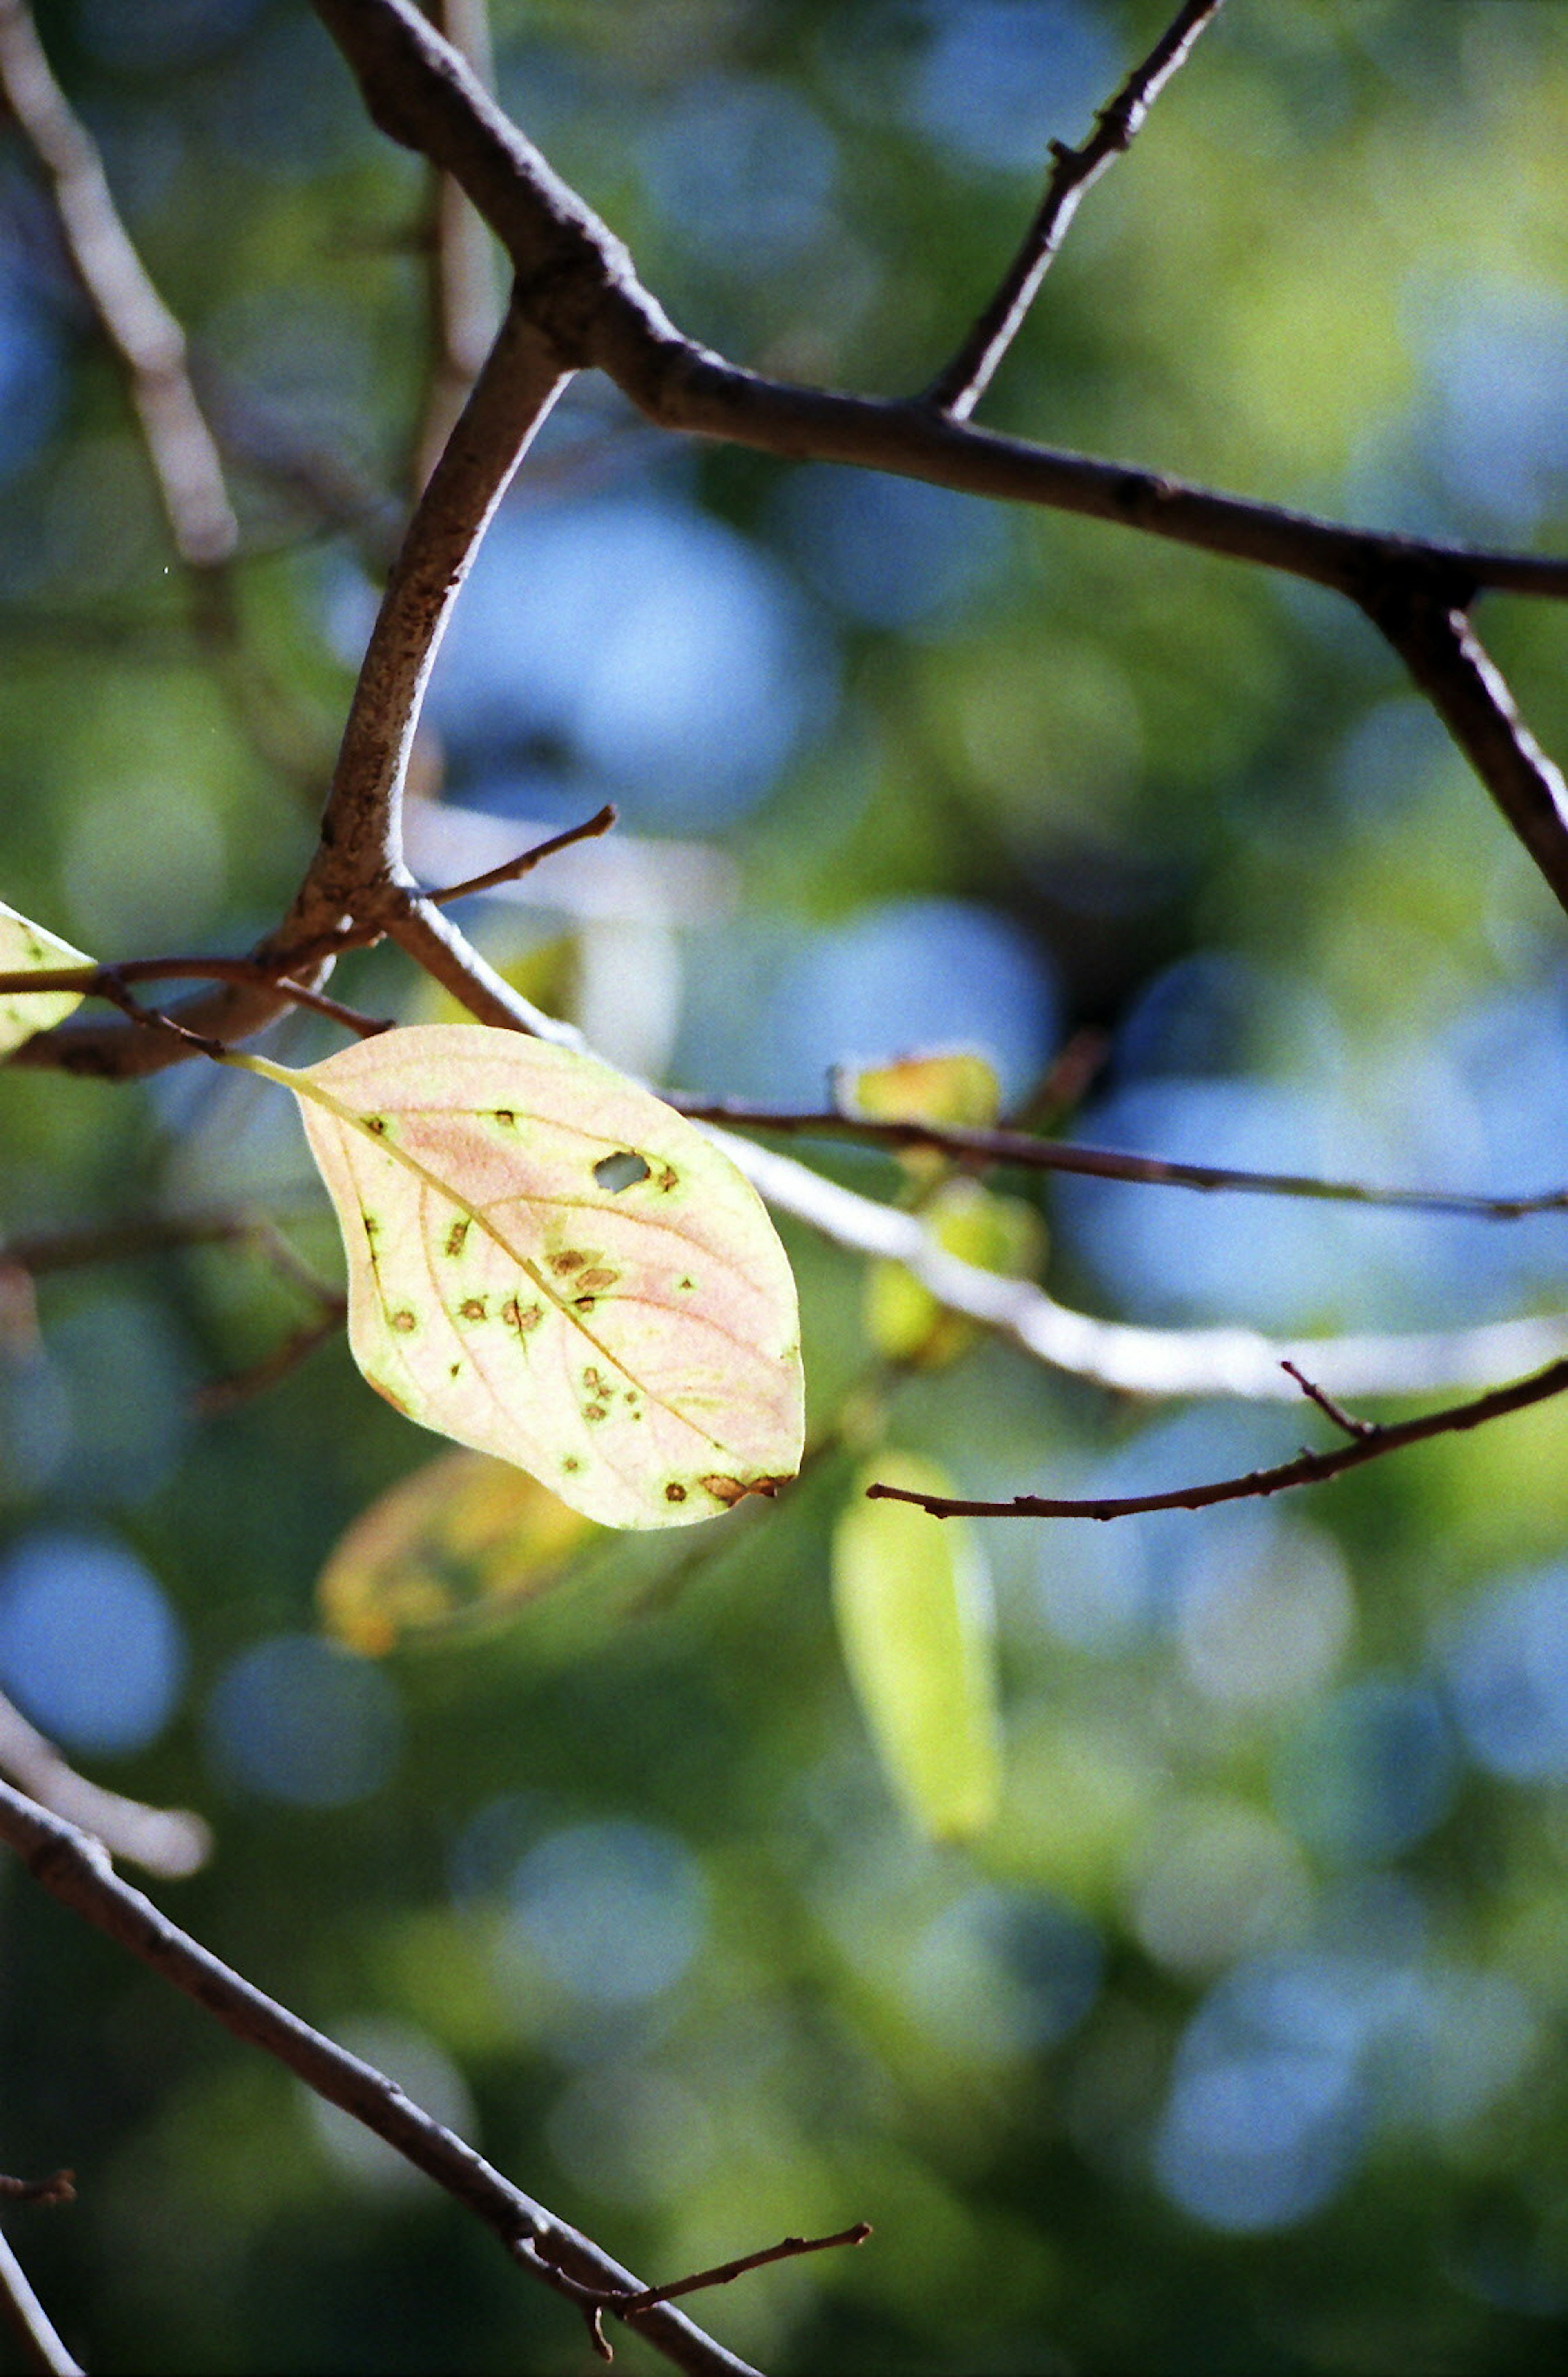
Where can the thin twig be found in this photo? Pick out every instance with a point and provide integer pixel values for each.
(1342, 1419)
(133, 318)
(511, 869)
(960, 385)
(74, 1870)
(788, 2248)
(36, 2331)
(98, 982)
(1029, 1153)
(1370, 1444)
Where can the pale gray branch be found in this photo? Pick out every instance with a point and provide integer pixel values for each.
(144, 334)
(35, 2330)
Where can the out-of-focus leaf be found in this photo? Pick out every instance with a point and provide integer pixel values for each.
(27, 948)
(957, 1086)
(464, 1537)
(548, 1265)
(904, 1320)
(913, 1603)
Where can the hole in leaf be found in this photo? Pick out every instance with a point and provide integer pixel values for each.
(618, 1172)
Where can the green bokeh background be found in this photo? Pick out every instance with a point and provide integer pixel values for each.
(1139, 758)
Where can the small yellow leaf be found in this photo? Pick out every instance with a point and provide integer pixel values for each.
(913, 1603)
(903, 1319)
(550, 1265)
(464, 1536)
(26, 947)
(957, 1086)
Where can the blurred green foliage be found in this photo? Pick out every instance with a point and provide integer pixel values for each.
(1232, 2043)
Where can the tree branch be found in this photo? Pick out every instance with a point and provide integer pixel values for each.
(1132, 1360)
(76, 1869)
(960, 385)
(576, 280)
(35, 2330)
(1029, 1153)
(1368, 1442)
(1466, 687)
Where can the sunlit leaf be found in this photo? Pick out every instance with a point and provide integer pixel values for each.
(913, 1603)
(27, 948)
(548, 1265)
(951, 1085)
(903, 1319)
(465, 1536)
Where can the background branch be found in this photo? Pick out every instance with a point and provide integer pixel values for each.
(168, 1841)
(138, 325)
(464, 310)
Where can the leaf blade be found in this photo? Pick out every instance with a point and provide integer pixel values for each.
(462, 1539)
(913, 1605)
(635, 1347)
(29, 947)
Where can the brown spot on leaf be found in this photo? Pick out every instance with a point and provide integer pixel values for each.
(584, 1303)
(667, 1179)
(456, 1236)
(473, 1309)
(378, 1123)
(731, 1490)
(571, 1464)
(506, 1118)
(598, 1278)
(592, 1411)
(570, 1258)
(404, 1321)
(673, 1493)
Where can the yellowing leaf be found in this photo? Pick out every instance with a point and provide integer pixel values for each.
(26, 947)
(912, 1604)
(464, 1536)
(549, 1264)
(903, 1319)
(949, 1085)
